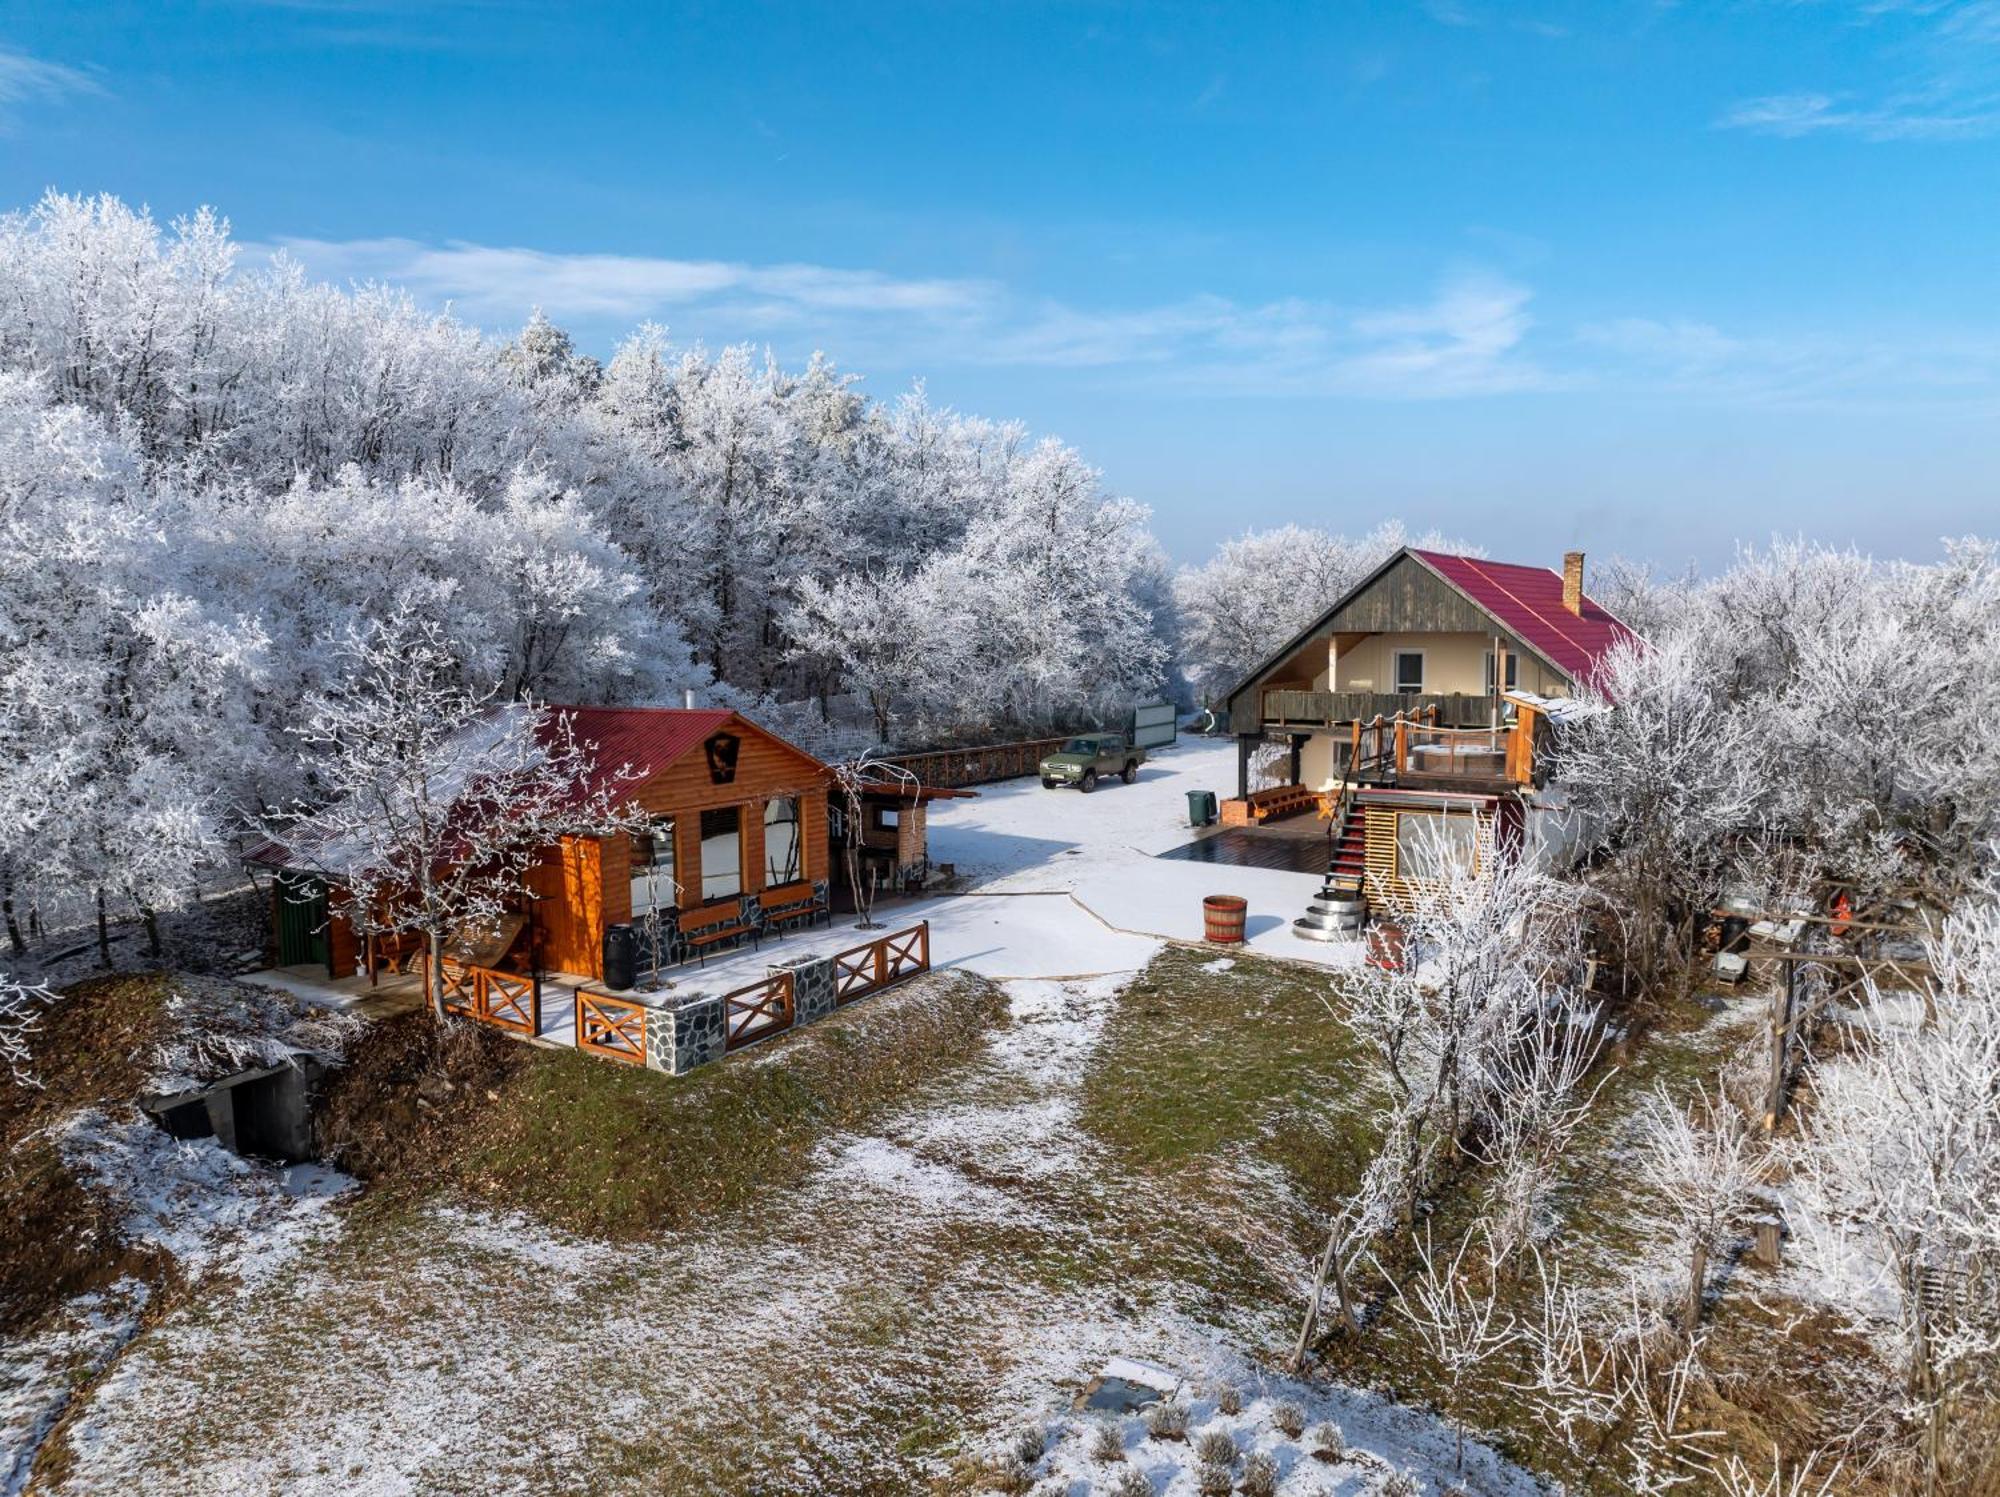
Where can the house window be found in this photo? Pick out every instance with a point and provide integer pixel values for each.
(721, 853)
(1429, 848)
(1513, 671)
(887, 818)
(653, 886)
(781, 842)
(1409, 671)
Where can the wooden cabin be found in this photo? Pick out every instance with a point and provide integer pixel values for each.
(1430, 690)
(736, 836)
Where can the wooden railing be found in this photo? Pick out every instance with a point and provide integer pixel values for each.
(763, 1008)
(868, 969)
(1325, 709)
(612, 1027)
(505, 1000)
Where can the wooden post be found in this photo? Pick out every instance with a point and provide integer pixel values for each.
(1769, 1250)
(1781, 1042)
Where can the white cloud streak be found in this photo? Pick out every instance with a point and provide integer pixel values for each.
(35, 80)
(1467, 339)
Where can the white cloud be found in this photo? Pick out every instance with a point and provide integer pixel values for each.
(502, 283)
(1795, 115)
(28, 80)
(1465, 340)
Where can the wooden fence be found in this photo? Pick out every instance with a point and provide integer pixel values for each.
(611, 1027)
(952, 769)
(763, 1008)
(862, 970)
(505, 1000)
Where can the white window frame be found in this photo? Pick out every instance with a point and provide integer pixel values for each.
(1396, 671)
(1513, 671)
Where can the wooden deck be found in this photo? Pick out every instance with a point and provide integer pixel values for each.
(1286, 707)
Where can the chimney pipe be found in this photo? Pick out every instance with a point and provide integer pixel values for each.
(687, 692)
(1573, 581)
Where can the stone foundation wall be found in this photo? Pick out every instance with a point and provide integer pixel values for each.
(687, 1035)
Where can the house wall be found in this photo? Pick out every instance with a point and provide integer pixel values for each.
(1454, 662)
(590, 881)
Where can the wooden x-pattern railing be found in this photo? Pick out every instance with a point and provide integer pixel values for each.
(763, 1008)
(503, 999)
(862, 970)
(610, 1027)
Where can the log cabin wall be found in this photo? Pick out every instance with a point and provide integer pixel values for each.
(572, 906)
(592, 882)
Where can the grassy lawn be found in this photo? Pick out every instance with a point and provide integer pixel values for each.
(825, 1265)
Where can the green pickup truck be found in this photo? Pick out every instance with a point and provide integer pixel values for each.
(1084, 760)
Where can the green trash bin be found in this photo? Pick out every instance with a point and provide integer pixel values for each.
(1201, 807)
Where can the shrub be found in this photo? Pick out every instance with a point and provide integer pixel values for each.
(1006, 1475)
(1397, 1484)
(1328, 1443)
(1028, 1444)
(1260, 1476)
(1228, 1401)
(1289, 1419)
(1214, 1480)
(1132, 1482)
(1108, 1444)
(1167, 1420)
(1215, 1448)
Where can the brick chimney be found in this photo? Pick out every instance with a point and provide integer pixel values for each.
(1573, 581)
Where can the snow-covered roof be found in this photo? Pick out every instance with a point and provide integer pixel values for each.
(1561, 711)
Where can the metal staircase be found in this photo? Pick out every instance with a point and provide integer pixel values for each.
(1340, 907)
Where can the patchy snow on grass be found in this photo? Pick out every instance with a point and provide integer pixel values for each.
(1349, 1442)
(39, 1374)
(219, 1027)
(197, 1201)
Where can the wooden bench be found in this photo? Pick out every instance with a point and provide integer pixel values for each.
(1268, 805)
(789, 903)
(714, 925)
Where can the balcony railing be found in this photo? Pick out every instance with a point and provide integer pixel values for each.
(1326, 709)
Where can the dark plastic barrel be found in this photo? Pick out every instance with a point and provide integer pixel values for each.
(621, 957)
(1222, 918)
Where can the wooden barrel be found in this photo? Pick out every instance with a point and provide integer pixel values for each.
(1222, 918)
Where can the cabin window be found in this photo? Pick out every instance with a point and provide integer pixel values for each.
(653, 886)
(781, 842)
(1430, 848)
(888, 818)
(721, 853)
(1409, 671)
(1513, 671)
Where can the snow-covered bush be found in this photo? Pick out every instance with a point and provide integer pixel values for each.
(1167, 1420)
(1216, 1447)
(1107, 1442)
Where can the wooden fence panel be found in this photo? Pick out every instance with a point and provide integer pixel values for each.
(866, 969)
(763, 1008)
(610, 1027)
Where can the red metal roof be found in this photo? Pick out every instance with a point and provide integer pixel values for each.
(648, 739)
(1528, 602)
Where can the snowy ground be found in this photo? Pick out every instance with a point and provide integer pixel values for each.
(1056, 884)
(939, 1283)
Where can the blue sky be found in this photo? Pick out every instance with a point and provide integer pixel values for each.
(1645, 278)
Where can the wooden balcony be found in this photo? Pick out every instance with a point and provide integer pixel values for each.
(1288, 708)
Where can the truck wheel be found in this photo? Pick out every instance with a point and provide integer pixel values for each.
(1089, 781)
(1048, 784)
(1129, 773)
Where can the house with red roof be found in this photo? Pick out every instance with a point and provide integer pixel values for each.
(735, 840)
(1431, 690)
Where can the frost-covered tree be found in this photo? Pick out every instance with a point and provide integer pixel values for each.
(1894, 1191)
(434, 799)
(1701, 1161)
